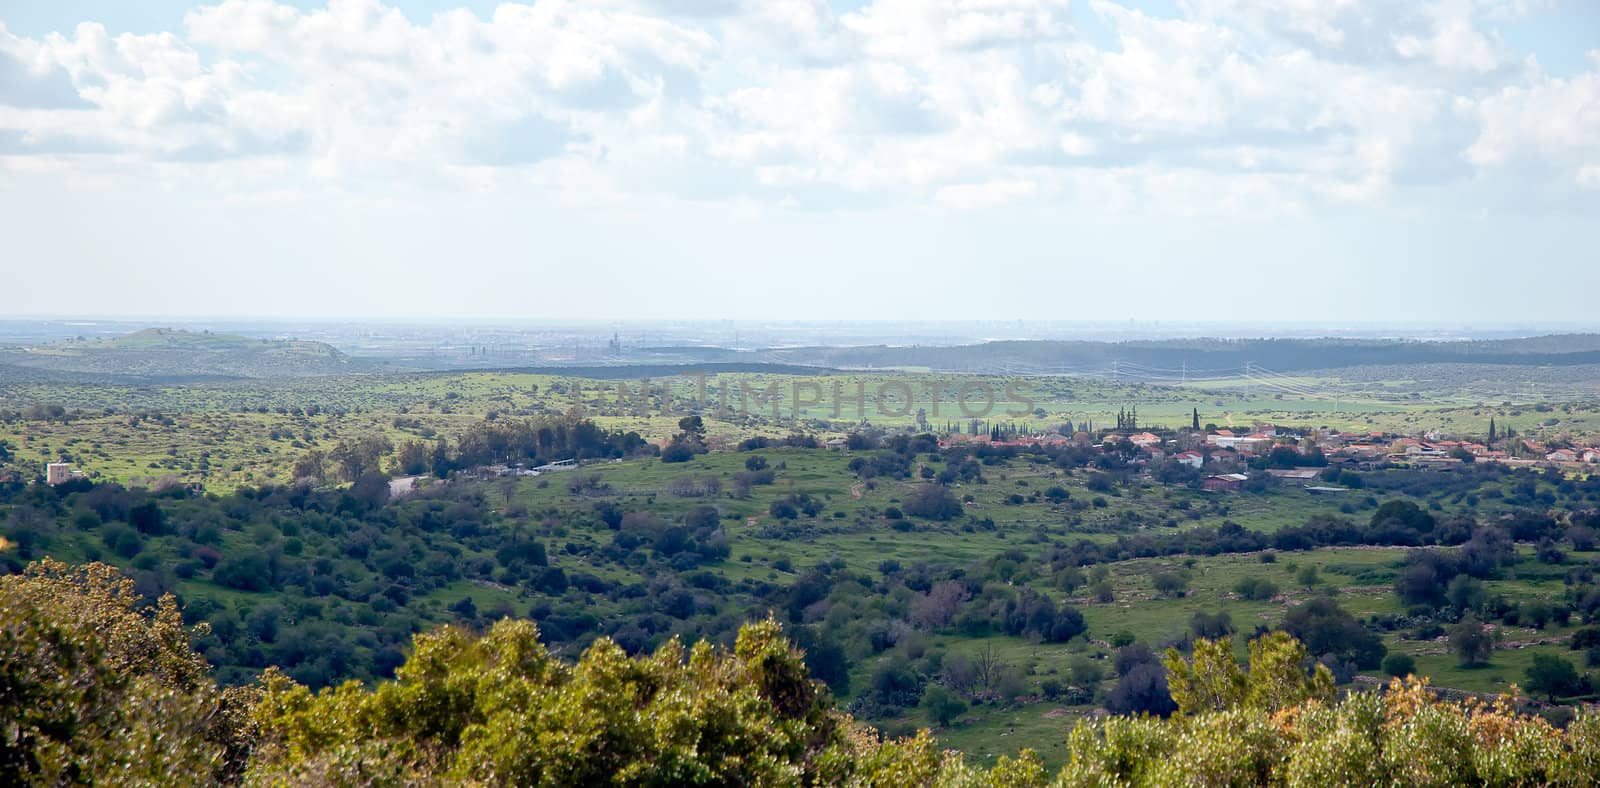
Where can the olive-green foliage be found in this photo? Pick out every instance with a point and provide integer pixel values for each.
(1214, 681)
(500, 710)
(94, 688)
(1279, 725)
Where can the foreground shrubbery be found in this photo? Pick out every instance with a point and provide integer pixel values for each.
(94, 688)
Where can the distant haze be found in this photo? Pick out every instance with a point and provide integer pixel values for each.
(382, 336)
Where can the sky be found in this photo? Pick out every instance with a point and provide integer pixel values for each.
(1260, 160)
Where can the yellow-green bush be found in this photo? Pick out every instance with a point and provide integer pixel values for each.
(1277, 724)
(96, 689)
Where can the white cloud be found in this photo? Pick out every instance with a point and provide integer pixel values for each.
(982, 195)
(1554, 122)
(1453, 41)
(945, 102)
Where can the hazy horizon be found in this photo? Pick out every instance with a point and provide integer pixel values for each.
(751, 334)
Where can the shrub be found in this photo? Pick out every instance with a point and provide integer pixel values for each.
(1256, 588)
(97, 687)
(1399, 665)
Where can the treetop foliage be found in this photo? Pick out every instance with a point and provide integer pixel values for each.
(96, 689)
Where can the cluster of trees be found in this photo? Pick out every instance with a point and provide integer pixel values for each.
(102, 690)
(690, 440)
(332, 588)
(332, 583)
(329, 587)
(534, 441)
(336, 584)
(1396, 523)
(1447, 585)
(1273, 722)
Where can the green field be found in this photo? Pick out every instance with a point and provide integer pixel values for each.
(1017, 516)
(229, 433)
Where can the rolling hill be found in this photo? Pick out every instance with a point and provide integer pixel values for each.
(162, 354)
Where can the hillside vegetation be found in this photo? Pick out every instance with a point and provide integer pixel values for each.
(995, 593)
(161, 354)
(99, 690)
(1205, 355)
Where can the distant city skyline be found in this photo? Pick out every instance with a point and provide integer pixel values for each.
(1365, 162)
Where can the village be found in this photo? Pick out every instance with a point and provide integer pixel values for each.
(1227, 457)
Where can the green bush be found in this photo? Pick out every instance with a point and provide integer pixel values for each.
(1399, 665)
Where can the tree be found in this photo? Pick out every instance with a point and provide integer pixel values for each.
(500, 709)
(98, 687)
(1170, 584)
(959, 674)
(1283, 457)
(412, 459)
(1419, 584)
(1399, 665)
(358, 456)
(1142, 690)
(440, 462)
(312, 465)
(1403, 516)
(933, 501)
(1211, 625)
(1068, 624)
(939, 606)
(371, 488)
(677, 451)
(987, 666)
(1552, 676)
(941, 706)
(1472, 643)
(1258, 589)
(101, 688)
(686, 444)
(1212, 679)
(1326, 628)
(1466, 594)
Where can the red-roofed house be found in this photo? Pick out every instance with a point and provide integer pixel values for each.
(1224, 483)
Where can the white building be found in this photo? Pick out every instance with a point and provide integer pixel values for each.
(58, 473)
